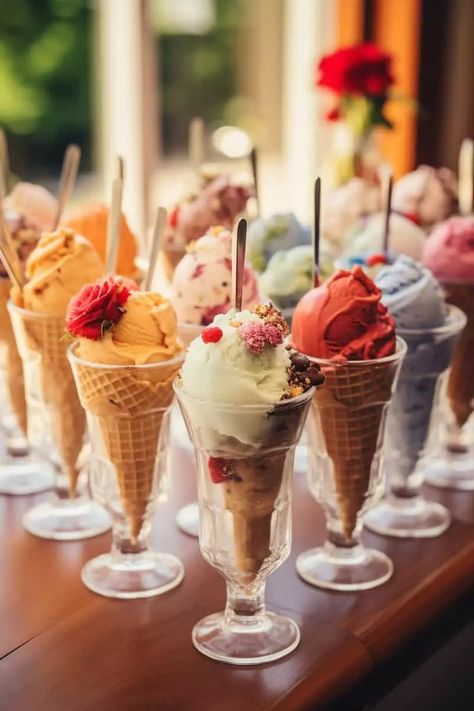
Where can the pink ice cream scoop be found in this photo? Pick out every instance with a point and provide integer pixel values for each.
(202, 281)
(449, 251)
(36, 205)
(427, 195)
(218, 203)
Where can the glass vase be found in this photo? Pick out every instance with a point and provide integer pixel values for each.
(128, 416)
(345, 472)
(244, 457)
(451, 461)
(56, 429)
(404, 512)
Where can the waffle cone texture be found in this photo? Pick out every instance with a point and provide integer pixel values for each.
(351, 408)
(41, 341)
(14, 366)
(460, 390)
(128, 406)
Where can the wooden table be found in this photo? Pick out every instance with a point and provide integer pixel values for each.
(64, 648)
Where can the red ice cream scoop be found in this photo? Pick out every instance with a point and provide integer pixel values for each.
(344, 318)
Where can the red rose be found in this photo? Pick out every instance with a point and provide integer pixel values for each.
(362, 70)
(97, 307)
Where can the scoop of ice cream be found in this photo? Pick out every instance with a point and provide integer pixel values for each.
(404, 237)
(344, 318)
(60, 264)
(218, 203)
(427, 194)
(34, 204)
(449, 251)
(241, 359)
(412, 295)
(119, 326)
(202, 281)
(269, 235)
(343, 207)
(289, 275)
(91, 221)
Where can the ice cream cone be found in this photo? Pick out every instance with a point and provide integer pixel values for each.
(170, 259)
(250, 496)
(460, 389)
(352, 408)
(129, 408)
(14, 367)
(41, 341)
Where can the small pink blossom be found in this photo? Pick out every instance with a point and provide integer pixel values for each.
(257, 335)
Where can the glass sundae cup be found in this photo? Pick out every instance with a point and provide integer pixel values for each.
(56, 429)
(22, 470)
(346, 432)
(128, 409)
(244, 459)
(404, 512)
(451, 461)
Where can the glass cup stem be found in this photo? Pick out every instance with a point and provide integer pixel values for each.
(245, 606)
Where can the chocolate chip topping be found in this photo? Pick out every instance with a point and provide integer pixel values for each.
(302, 375)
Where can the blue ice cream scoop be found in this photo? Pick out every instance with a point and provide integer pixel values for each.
(415, 300)
(269, 235)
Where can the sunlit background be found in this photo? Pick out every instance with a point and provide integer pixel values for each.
(128, 75)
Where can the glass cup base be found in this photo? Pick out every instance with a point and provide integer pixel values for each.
(130, 576)
(408, 518)
(256, 641)
(456, 472)
(20, 476)
(347, 569)
(187, 519)
(67, 520)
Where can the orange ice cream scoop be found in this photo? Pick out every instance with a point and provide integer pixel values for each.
(91, 222)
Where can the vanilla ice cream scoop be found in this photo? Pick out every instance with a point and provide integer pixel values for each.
(60, 264)
(427, 194)
(202, 281)
(404, 237)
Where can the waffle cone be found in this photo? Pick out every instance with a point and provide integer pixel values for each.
(44, 335)
(170, 259)
(250, 497)
(14, 366)
(351, 409)
(460, 389)
(129, 412)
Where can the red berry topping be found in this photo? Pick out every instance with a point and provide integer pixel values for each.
(376, 259)
(413, 216)
(173, 217)
(220, 470)
(211, 334)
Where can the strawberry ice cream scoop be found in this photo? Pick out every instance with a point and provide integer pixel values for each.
(344, 318)
(449, 251)
(218, 203)
(202, 281)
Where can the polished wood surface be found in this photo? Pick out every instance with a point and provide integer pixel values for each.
(62, 647)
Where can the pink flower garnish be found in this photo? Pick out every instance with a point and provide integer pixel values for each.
(257, 335)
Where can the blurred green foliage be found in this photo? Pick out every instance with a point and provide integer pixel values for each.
(45, 81)
(199, 75)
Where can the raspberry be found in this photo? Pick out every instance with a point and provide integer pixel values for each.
(220, 470)
(374, 259)
(173, 217)
(211, 334)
